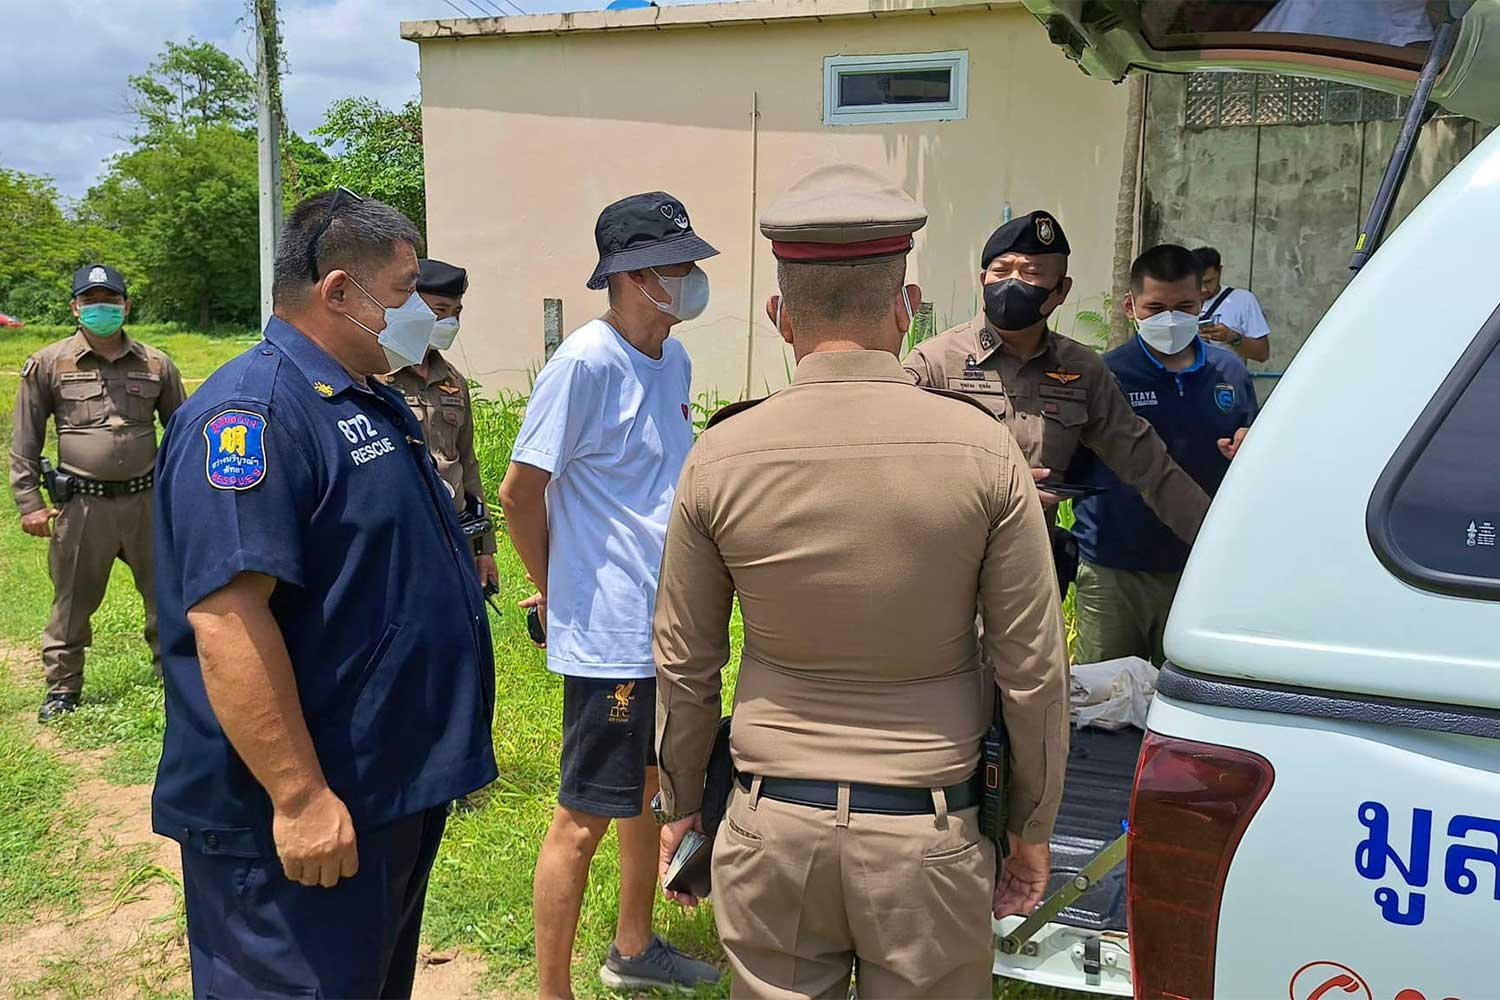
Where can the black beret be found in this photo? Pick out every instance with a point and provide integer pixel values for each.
(439, 278)
(1037, 232)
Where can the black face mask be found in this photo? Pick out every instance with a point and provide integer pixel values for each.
(1012, 304)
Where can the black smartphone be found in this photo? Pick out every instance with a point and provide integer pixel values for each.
(534, 626)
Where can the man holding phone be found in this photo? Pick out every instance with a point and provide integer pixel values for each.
(1231, 317)
(1199, 398)
(586, 501)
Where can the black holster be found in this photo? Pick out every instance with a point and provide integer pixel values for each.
(57, 485)
(719, 780)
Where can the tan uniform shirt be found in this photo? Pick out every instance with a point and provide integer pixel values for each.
(105, 412)
(860, 520)
(1059, 398)
(441, 403)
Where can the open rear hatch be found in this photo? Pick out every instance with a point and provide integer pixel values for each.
(1381, 44)
(1083, 944)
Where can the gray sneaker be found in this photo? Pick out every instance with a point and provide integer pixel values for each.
(660, 966)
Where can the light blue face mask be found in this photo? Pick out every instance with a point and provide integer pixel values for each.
(408, 328)
(102, 319)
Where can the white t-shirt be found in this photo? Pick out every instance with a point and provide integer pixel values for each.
(613, 427)
(1240, 311)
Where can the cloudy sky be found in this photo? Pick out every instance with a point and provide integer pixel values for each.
(65, 62)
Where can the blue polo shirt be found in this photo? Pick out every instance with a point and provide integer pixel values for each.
(1190, 411)
(281, 464)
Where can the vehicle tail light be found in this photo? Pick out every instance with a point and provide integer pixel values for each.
(1192, 804)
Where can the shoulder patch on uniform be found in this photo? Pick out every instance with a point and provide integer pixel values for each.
(731, 410)
(236, 449)
(28, 366)
(1224, 396)
(962, 397)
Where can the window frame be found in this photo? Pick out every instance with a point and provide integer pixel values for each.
(956, 109)
(1398, 561)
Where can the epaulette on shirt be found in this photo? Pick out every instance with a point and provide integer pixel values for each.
(731, 410)
(962, 398)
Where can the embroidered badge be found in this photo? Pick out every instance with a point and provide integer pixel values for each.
(28, 367)
(1065, 377)
(1224, 396)
(623, 696)
(451, 390)
(236, 450)
(323, 389)
(1044, 230)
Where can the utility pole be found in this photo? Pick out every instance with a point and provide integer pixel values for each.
(268, 131)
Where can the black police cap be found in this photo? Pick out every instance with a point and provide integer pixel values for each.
(645, 230)
(440, 278)
(91, 276)
(1035, 233)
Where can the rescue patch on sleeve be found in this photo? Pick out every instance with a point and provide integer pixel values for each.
(28, 366)
(236, 451)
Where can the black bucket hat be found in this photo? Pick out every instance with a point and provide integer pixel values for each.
(645, 230)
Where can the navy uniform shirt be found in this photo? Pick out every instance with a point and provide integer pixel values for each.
(281, 464)
(1190, 411)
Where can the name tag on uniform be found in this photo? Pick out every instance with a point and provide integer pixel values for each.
(453, 401)
(977, 385)
(79, 377)
(1074, 394)
(413, 400)
(144, 376)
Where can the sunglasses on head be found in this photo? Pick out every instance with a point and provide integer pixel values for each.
(343, 196)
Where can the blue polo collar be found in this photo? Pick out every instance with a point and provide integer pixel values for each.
(327, 377)
(1200, 357)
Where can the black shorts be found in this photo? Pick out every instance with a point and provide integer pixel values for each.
(609, 739)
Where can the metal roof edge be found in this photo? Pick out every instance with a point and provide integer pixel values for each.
(690, 15)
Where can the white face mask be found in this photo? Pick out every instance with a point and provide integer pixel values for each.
(443, 332)
(689, 293)
(408, 328)
(1169, 332)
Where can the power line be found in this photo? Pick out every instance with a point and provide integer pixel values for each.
(496, 11)
(461, 12)
(478, 9)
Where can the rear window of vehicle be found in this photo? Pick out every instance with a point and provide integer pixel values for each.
(1434, 519)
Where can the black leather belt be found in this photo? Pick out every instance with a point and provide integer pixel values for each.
(113, 488)
(882, 799)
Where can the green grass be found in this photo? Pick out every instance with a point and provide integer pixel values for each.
(481, 886)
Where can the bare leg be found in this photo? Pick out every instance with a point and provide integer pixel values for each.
(562, 873)
(640, 847)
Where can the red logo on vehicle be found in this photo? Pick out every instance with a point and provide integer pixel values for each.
(1328, 981)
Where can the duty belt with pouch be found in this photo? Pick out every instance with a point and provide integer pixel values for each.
(994, 781)
(63, 486)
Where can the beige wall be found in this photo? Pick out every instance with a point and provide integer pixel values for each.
(528, 137)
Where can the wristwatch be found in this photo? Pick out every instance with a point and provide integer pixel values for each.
(1236, 339)
(660, 814)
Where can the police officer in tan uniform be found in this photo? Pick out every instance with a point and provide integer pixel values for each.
(439, 396)
(860, 520)
(1053, 393)
(105, 392)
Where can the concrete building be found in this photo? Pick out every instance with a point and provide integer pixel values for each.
(532, 124)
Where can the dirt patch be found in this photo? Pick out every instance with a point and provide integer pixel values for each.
(128, 939)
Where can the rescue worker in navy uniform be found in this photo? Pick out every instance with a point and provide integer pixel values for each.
(1053, 393)
(329, 678)
(439, 397)
(105, 391)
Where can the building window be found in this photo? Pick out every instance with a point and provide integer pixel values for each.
(919, 87)
(1227, 100)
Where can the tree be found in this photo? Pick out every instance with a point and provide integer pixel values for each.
(378, 152)
(1125, 210)
(190, 86)
(41, 247)
(188, 203)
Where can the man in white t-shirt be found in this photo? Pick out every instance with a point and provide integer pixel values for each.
(1231, 316)
(586, 499)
